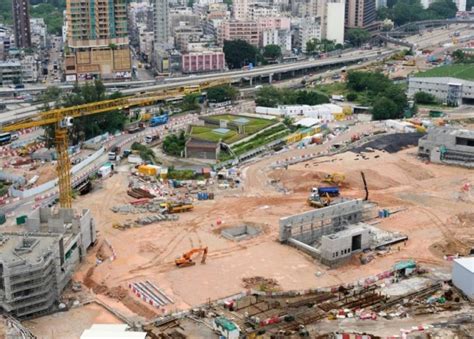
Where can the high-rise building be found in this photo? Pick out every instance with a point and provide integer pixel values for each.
(333, 21)
(97, 40)
(161, 25)
(21, 23)
(360, 13)
(240, 9)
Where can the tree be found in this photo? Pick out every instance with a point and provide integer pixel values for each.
(272, 52)
(221, 93)
(312, 46)
(351, 96)
(267, 96)
(383, 109)
(443, 8)
(357, 36)
(174, 144)
(425, 98)
(52, 93)
(239, 53)
(190, 102)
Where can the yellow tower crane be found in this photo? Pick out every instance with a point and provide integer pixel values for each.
(62, 119)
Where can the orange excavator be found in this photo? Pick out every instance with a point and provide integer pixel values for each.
(186, 260)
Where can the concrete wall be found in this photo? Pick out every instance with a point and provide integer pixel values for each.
(307, 226)
(335, 12)
(339, 246)
(463, 278)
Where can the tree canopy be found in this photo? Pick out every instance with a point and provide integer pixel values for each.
(378, 86)
(221, 93)
(173, 144)
(405, 11)
(269, 96)
(239, 53)
(272, 52)
(425, 98)
(357, 36)
(384, 108)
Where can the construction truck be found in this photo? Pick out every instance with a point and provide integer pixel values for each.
(170, 208)
(186, 259)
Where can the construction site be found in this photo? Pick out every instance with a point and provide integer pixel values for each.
(351, 227)
(299, 243)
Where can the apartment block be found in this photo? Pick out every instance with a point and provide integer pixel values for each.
(258, 10)
(161, 19)
(36, 266)
(199, 62)
(97, 40)
(21, 23)
(9, 71)
(308, 29)
(333, 21)
(360, 13)
(238, 30)
(240, 9)
(280, 37)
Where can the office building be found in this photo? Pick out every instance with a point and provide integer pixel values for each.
(21, 23)
(360, 13)
(97, 40)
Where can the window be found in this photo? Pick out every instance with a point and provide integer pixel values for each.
(464, 141)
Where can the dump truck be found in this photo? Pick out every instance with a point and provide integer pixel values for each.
(332, 191)
(159, 120)
(171, 208)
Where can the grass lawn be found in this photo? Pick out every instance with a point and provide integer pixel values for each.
(461, 71)
(253, 125)
(207, 133)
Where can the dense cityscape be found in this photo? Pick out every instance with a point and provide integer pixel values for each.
(236, 169)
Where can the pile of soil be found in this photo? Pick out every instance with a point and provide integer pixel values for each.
(261, 284)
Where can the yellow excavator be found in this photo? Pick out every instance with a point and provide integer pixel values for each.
(335, 179)
(186, 260)
(316, 201)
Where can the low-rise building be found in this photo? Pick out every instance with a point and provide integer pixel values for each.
(38, 32)
(448, 145)
(36, 266)
(202, 149)
(30, 67)
(449, 90)
(199, 62)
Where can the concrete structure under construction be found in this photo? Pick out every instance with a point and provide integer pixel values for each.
(448, 145)
(36, 265)
(333, 234)
(449, 90)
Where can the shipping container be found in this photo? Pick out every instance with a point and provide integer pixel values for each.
(21, 219)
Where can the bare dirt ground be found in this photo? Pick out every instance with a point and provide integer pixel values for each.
(435, 217)
(70, 324)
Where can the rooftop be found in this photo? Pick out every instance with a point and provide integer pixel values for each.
(18, 248)
(460, 71)
(467, 263)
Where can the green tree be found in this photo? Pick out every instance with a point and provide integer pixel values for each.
(383, 109)
(443, 8)
(52, 93)
(190, 102)
(272, 52)
(407, 11)
(222, 93)
(312, 46)
(357, 36)
(51, 14)
(267, 96)
(173, 144)
(351, 96)
(425, 98)
(239, 53)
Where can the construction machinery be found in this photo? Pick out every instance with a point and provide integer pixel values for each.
(63, 118)
(317, 201)
(186, 259)
(334, 179)
(169, 207)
